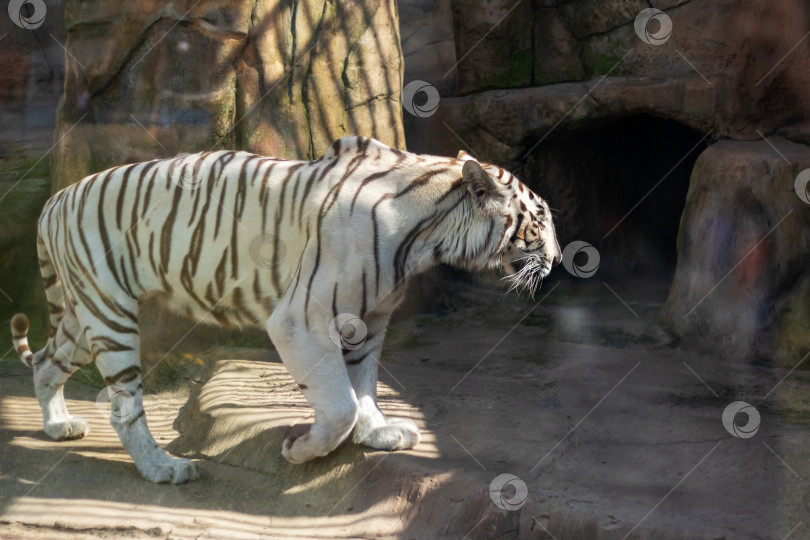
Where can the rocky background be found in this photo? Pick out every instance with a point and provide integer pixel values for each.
(673, 159)
(145, 80)
(32, 67)
(684, 150)
(285, 79)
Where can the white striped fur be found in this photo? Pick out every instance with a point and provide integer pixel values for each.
(239, 239)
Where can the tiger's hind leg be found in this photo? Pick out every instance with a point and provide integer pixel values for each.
(115, 344)
(65, 354)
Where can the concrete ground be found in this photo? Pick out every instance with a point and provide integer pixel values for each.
(614, 434)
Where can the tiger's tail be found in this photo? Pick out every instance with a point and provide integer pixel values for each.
(56, 308)
(19, 337)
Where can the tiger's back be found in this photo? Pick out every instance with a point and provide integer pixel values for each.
(185, 226)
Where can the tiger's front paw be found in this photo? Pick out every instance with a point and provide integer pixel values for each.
(72, 428)
(298, 446)
(167, 470)
(396, 434)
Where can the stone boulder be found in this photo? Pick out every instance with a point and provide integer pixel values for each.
(146, 80)
(741, 286)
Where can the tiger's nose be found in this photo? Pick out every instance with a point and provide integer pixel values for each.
(556, 260)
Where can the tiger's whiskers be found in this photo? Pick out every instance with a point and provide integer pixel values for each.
(527, 278)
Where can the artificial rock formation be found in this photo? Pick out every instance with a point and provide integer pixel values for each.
(742, 279)
(608, 126)
(146, 80)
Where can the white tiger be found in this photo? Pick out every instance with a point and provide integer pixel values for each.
(344, 233)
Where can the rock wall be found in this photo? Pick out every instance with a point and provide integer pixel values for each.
(606, 118)
(31, 79)
(279, 78)
(524, 70)
(545, 88)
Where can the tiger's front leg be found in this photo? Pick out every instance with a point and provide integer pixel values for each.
(316, 364)
(362, 357)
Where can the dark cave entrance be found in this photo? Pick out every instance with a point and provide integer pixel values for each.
(620, 186)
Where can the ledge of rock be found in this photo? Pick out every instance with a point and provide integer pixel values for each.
(506, 125)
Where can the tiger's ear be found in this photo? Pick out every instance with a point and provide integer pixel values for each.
(485, 191)
(464, 156)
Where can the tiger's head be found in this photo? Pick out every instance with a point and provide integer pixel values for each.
(528, 248)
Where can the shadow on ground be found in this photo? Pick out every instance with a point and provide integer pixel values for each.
(615, 433)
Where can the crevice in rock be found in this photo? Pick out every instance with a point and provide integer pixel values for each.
(294, 40)
(305, 97)
(378, 97)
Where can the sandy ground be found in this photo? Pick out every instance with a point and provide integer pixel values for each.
(613, 434)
